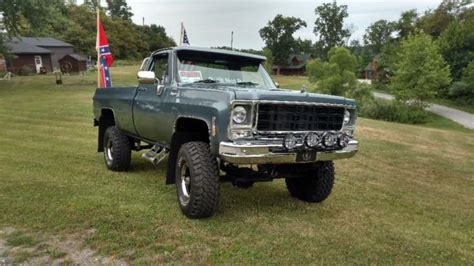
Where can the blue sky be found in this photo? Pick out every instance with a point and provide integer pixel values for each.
(209, 22)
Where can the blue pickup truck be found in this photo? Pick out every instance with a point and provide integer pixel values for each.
(218, 116)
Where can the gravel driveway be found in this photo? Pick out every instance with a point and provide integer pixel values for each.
(463, 118)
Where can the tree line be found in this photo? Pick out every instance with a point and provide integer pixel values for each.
(417, 57)
(76, 24)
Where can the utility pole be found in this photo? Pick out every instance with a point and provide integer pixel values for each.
(143, 21)
(232, 40)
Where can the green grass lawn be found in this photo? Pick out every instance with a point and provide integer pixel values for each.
(406, 198)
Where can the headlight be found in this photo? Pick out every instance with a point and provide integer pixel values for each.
(347, 117)
(313, 139)
(239, 114)
(290, 142)
(343, 140)
(330, 139)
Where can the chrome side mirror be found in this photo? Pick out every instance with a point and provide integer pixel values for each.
(277, 84)
(146, 77)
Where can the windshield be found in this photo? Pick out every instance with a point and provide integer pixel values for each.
(204, 67)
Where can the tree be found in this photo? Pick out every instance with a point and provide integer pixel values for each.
(304, 46)
(329, 26)
(457, 43)
(421, 72)
(434, 22)
(406, 25)
(269, 62)
(336, 76)
(378, 34)
(118, 9)
(278, 37)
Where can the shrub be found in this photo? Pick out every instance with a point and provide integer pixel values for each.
(462, 91)
(25, 71)
(394, 111)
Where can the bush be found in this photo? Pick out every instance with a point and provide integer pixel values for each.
(462, 91)
(25, 71)
(394, 111)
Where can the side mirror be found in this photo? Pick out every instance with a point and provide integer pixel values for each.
(277, 84)
(146, 77)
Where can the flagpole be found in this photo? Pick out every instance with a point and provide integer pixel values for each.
(181, 35)
(97, 48)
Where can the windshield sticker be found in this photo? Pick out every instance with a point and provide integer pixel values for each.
(190, 76)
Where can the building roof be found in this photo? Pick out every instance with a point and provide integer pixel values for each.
(45, 42)
(78, 57)
(19, 47)
(301, 60)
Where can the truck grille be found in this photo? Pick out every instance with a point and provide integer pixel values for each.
(287, 117)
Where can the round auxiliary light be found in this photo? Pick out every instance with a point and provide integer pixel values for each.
(312, 140)
(343, 140)
(239, 114)
(290, 142)
(347, 117)
(330, 139)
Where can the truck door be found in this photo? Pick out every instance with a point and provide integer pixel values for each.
(148, 102)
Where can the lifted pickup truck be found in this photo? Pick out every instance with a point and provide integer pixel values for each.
(218, 116)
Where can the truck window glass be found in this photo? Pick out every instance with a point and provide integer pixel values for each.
(222, 69)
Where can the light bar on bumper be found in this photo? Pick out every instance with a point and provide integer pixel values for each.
(249, 152)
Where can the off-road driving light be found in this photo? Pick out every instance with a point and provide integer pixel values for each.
(239, 114)
(312, 140)
(290, 142)
(347, 117)
(330, 139)
(343, 140)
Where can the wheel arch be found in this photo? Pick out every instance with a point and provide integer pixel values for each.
(186, 129)
(106, 119)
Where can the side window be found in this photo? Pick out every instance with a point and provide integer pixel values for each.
(160, 67)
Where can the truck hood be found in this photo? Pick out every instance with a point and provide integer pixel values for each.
(288, 95)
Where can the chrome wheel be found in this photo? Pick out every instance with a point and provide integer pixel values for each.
(185, 183)
(109, 149)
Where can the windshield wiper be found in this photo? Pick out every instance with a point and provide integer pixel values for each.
(248, 83)
(206, 81)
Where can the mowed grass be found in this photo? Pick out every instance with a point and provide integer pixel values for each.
(407, 197)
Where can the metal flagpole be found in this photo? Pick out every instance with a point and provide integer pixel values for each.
(232, 40)
(97, 48)
(181, 35)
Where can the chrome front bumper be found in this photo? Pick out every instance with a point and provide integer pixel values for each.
(248, 153)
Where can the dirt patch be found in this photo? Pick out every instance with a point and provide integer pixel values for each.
(52, 250)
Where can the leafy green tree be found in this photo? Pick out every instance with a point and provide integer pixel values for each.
(463, 90)
(336, 76)
(269, 62)
(406, 25)
(304, 46)
(434, 22)
(421, 72)
(457, 43)
(278, 37)
(329, 26)
(378, 34)
(156, 37)
(118, 9)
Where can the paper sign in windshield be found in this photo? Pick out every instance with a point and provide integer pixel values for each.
(190, 76)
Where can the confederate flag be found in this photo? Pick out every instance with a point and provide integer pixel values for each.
(104, 56)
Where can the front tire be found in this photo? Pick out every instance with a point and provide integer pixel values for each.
(315, 187)
(117, 149)
(197, 180)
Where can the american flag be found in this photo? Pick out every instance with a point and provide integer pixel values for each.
(104, 56)
(184, 36)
